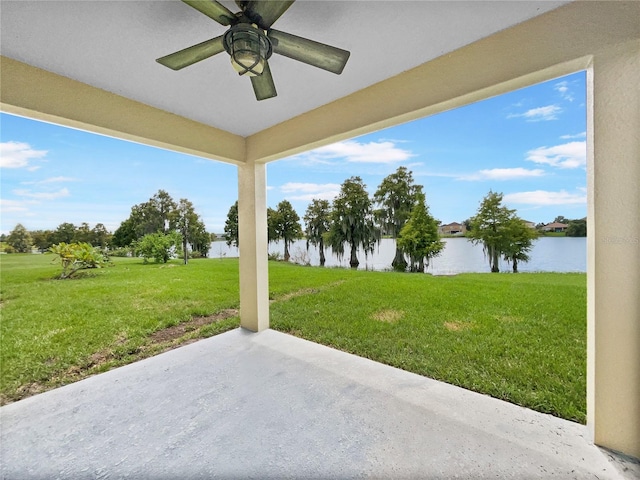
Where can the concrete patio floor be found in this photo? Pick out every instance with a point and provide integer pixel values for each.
(269, 405)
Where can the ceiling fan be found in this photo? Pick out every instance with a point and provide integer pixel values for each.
(250, 41)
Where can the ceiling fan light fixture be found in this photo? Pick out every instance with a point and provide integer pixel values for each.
(249, 49)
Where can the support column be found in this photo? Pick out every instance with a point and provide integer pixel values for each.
(613, 264)
(252, 236)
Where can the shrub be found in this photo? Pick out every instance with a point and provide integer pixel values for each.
(158, 246)
(274, 256)
(121, 252)
(77, 256)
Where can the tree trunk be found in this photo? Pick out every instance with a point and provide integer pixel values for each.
(399, 263)
(515, 265)
(421, 265)
(322, 259)
(494, 261)
(286, 251)
(354, 257)
(184, 250)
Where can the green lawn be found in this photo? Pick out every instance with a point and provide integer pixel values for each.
(519, 337)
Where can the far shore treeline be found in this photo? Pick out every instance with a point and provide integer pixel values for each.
(162, 228)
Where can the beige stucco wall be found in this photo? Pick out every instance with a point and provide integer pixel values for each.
(32, 92)
(252, 235)
(551, 45)
(614, 248)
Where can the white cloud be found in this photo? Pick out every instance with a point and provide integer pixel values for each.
(308, 187)
(43, 195)
(577, 135)
(546, 198)
(310, 191)
(563, 89)
(539, 114)
(18, 155)
(356, 152)
(438, 174)
(51, 180)
(503, 174)
(13, 206)
(567, 155)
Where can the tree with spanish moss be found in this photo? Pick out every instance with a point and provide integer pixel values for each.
(352, 221)
(286, 226)
(317, 221)
(488, 227)
(519, 242)
(419, 238)
(396, 196)
(192, 230)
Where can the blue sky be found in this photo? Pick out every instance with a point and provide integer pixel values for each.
(528, 144)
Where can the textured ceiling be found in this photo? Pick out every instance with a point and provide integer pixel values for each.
(113, 45)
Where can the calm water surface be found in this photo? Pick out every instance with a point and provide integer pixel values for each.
(549, 254)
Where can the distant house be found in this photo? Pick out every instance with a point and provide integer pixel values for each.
(454, 228)
(555, 227)
(529, 224)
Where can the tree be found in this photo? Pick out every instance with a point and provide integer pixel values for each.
(519, 242)
(352, 221)
(125, 234)
(190, 227)
(231, 226)
(100, 236)
(396, 195)
(20, 239)
(316, 219)
(419, 238)
(166, 207)
(286, 225)
(161, 214)
(77, 256)
(489, 227)
(154, 216)
(272, 234)
(200, 240)
(561, 219)
(83, 234)
(577, 228)
(42, 239)
(64, 233)
(159, 246)
(157, 215)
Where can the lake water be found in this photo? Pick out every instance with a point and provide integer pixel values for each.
(549, 254)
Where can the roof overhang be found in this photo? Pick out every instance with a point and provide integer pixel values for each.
(556, 43)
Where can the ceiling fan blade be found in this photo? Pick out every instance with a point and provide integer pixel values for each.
(214, 10)
(263, 85)
(308, 51)
(264, 13)
(193, 54)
